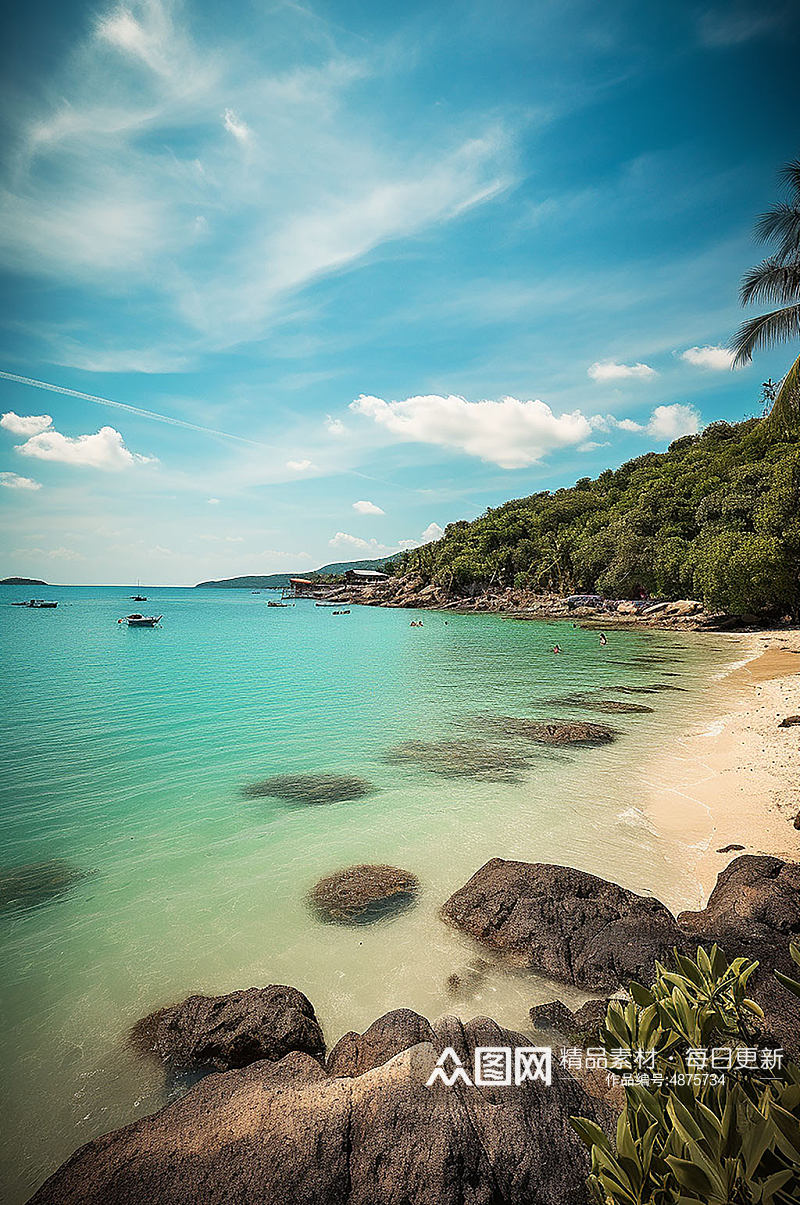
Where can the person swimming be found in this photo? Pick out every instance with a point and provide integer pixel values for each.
(556, 648)
(603, 638)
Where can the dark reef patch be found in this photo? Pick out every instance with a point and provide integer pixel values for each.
(37, 883)
(553, 732)
(310, 789)
(592, 703)
(461, 759)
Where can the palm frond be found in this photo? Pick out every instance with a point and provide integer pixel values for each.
(781, 223)
(771, 280)
(786, 407)
(790, 176)
(776, 327)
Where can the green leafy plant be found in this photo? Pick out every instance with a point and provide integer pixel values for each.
(693, 1138)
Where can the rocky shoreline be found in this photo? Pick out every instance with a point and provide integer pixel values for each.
(413, 592)
(281, 1119)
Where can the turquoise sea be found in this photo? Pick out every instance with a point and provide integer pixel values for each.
(126, 753)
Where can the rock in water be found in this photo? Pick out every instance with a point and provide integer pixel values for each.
(37, 883)
(360, 894)
(285, 1134)
(564, 923)
(310, 788)
(555, 732)
(231, 1031)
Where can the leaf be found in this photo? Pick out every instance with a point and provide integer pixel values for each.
(589, 1133)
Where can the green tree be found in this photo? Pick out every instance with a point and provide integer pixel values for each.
(776, 279)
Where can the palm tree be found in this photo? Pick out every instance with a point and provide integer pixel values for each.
(776, 279)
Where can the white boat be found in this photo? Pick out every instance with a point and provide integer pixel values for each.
(141, 621)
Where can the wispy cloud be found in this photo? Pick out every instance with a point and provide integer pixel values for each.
(169, 419)
(135, 176)
(299, 466)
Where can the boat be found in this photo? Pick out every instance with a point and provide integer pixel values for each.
(38, 604)
(347, 612)
(326, 604)
(138, 598)
(141, 621)
(277, 604)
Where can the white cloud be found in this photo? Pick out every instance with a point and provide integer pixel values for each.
(368, 508)
(670, 422)
(104, 450)
(25, 424)
(213, 502)
(716, 358)
(234, 125)
(432, 532)
(609, 370)
(665, 422)
(13, 481)
(343, 539)
(334, 426)
(508, 433)
(299, 466)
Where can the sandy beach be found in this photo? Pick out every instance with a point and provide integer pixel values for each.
(736, 779)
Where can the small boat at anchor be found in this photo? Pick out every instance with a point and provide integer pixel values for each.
(141, 621)
(138, 598)
(277, 604)
(38, 604)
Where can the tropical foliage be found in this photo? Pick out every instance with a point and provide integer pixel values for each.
(776, 280)
(716, 517)
(696, 1138)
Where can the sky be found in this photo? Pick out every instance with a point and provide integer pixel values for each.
(286, 284)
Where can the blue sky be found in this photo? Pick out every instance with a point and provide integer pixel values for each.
(357, 270)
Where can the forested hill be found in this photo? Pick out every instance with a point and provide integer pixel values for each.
(716, 517)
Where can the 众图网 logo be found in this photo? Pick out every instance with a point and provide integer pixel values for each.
(495, 1067)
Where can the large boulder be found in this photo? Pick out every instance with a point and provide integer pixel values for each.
(359, 894)
(392, 1033)
(285, 1134)
(754, 911)
(564, 923)
(231, 1031)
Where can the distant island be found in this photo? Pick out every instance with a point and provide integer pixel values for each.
(21, 581)
(279, 580)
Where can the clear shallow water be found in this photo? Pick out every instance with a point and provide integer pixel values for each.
(126, 752)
